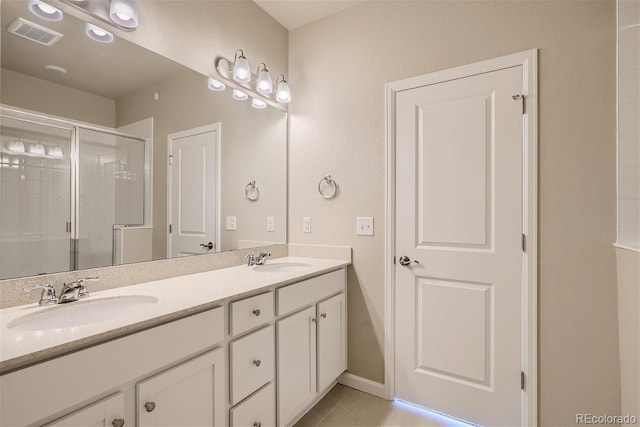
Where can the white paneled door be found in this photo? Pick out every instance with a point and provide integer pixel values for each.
(193, 191)
(458, 272)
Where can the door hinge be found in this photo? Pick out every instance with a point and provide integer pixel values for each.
(170, 228)
(521, 98)
(524, 243)
(522, 380)
(170, 159)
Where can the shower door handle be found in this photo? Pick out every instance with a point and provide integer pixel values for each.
(207, 245)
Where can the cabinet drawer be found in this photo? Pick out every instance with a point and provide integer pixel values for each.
(309, 291)
(252, 361)
(257, 411)
(249, 313)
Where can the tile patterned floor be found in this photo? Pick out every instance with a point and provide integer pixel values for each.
(344, 407)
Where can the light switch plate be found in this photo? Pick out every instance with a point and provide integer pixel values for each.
(364, 226)
(230, 223)
(306, 224)
(271, 223)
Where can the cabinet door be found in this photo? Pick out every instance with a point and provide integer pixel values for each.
(296, 364)
(331, 340)
(105, 413)
(189, 394)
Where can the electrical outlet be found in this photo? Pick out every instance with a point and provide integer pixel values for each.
(271, 224)
(230, 223)
(306, 224)
(364, 226)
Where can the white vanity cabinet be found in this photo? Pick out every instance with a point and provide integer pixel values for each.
(76, 389)
(311, 343)
(190, 394)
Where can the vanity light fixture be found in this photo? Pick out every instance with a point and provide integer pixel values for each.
(215, 85)
(283, 94)
(256, 103)
(241, 70)
(44, 10)
(98, 34)
(263, 82)
(16, 146)
(239, 95)
(259, 86)
(55, 152)
(37, 149)
(124, 12)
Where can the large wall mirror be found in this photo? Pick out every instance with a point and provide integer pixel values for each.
(112, 154)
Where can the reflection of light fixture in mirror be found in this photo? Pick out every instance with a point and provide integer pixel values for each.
(241, 70)
(256, 103)
(124, 12)
(283, 94)
(56, 152)
(44, 10)
(16, 146)
(215, 85)
(263, 82)
(239, 95)
(36, 149)
(98, 34)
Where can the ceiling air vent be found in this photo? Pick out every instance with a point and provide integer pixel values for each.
(34, 32)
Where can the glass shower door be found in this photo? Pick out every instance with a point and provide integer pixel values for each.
(35, 198)
(110, 192)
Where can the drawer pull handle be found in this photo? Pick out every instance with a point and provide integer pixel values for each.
(256, 312)
(313, 319)
(257, 362)
(150, 406)
(117, 422)
(257, 424)
(323, 315)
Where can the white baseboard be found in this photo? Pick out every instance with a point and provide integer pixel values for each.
(362, 384)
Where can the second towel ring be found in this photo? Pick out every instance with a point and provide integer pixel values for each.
(252, 191)
(329, 182)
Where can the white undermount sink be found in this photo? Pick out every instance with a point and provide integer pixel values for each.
(281, 267)
(82, 312)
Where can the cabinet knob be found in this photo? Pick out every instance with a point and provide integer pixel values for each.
(117, 422)
(257, 424)
(150, 406)
(257, 362)
(256, 312)
(323, 315)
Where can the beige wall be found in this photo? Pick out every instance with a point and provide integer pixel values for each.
(30, 93)
(629, 328)
(253, 147)
(338, 68)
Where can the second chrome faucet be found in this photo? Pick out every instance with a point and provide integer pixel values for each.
(70, 292)
(257, 259)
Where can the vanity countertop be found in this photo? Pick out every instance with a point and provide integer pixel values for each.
(177, 297)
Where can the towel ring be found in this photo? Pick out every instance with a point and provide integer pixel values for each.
(329, 182)
(252, 191)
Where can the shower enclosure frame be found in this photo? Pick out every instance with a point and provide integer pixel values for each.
(74, 127)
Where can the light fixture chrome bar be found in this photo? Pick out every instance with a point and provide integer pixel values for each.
(74, 9)
(224, 69)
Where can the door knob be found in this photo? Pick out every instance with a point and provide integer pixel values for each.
(208, 245)
(405, 260)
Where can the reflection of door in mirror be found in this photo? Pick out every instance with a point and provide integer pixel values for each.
(193, 192)
(35, 198)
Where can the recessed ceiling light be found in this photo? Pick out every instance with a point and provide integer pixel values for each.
(98, 34)
(44, 10)
(54, 69)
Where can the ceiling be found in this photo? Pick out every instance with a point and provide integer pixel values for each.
(296, 13)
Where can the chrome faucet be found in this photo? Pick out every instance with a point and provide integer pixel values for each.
(262, 258)
(70, 291)
(75, 290)
(257, 259)
(48, 295)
